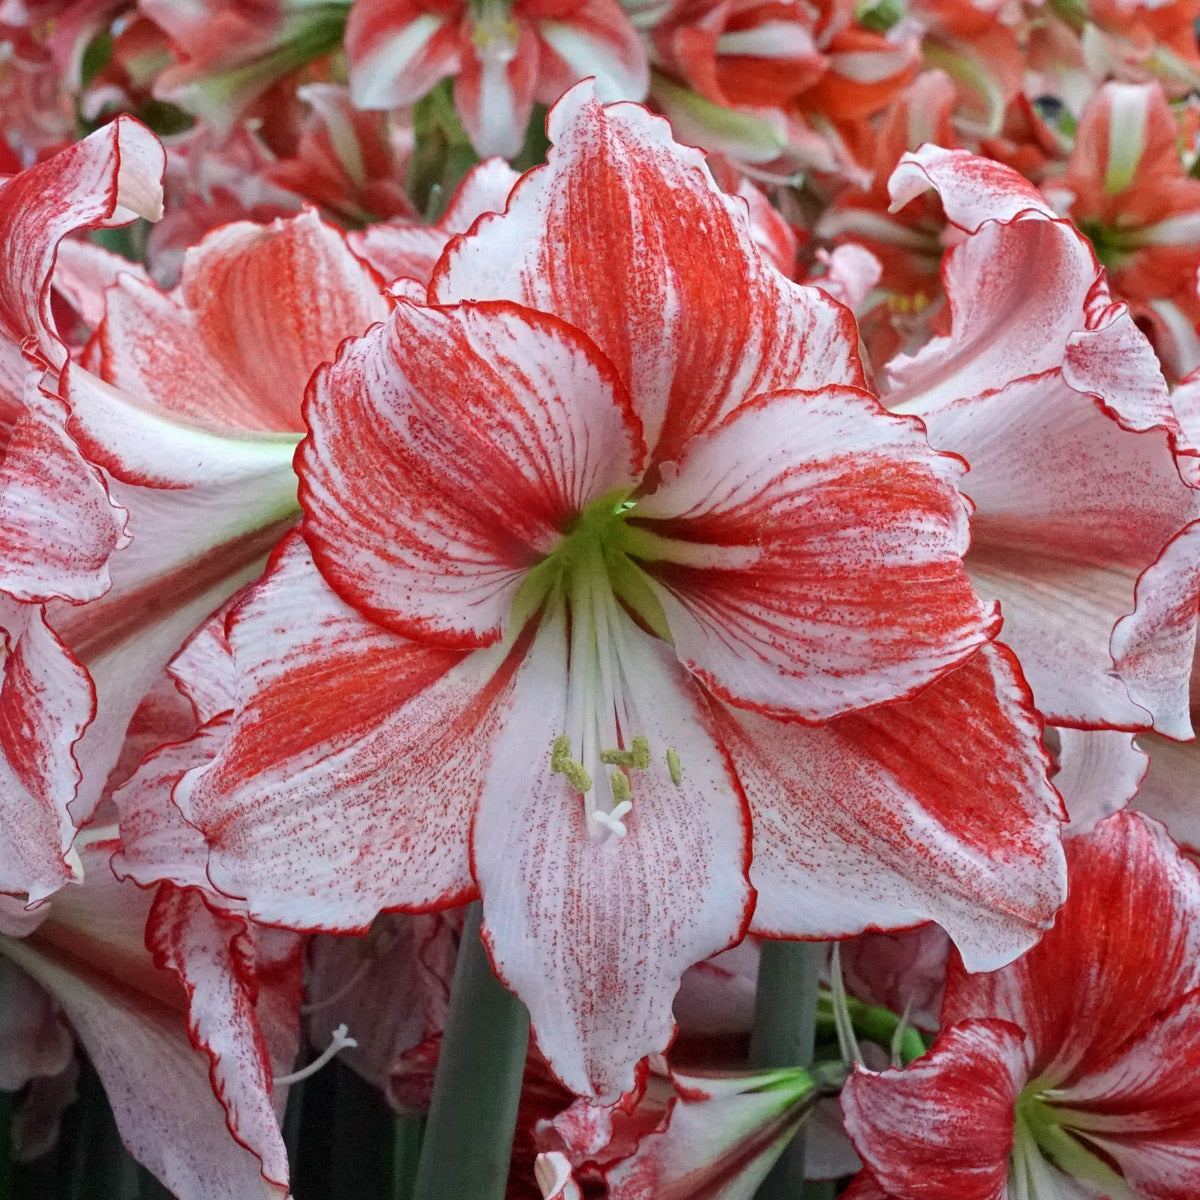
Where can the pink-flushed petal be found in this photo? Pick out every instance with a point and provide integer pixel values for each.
(597, 40)
(36, 1123)
(231, 987)
(343, 734)
(1113, 360)
(398, 52)
(722, 1136)
(876, 821)
(624, 235)
(773, 235)
(391, 987)
(716, 996)
(852, 271)
(1152, 647)
(1069, 510)
(1143, 1106)
(46, 702)
(495, 91)
(83, 273)
(109, 178)
(942, 1128)
(1125, 944)
(403, 249)
(904, 971)
(34, 1039)
(590, 928)
(807, 552)
(1099, 772)
(58, 524)
(972, 189)
(258, 309)
(1017, 294)
(131, 1019)
(450, 449)
(1170, 792)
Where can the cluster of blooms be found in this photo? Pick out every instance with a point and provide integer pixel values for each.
(655, 482)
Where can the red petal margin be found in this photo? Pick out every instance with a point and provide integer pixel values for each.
(243, 1010)
(809, 556)
(450, 449)
(942, 1128)
(1125, 946)
(934, 808)
(46, 702)
(349, 777)
(624, 235)
(110, 178)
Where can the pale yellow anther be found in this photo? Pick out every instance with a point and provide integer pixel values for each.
(674, 767)
(638, 755)
(562, 763)
(620, 787)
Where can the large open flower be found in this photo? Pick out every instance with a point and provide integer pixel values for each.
(596, 537)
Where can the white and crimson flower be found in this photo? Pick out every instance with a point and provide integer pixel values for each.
(503, 55)
(1073, 1072)
(604, 545)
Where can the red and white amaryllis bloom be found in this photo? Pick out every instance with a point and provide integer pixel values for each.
(605, 546)
(1072, 1073)
(503, 55)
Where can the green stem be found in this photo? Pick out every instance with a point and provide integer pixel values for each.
(7, 1150)
(477, 1086)
(407, 1132)
(785, 1023)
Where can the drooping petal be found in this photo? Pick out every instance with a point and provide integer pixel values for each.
(624, 235)
(130, 1018)
(1126, 943)
(1069, 510)
(942, 1128)
(34, 1039)
(46, 702)
(1152, 647)
(243, 1010)
(109, 178)
(494, 92)
(358, 747)
(450, 449)
(593, 929)
(877, 820)
(257, 310)
(807, 551)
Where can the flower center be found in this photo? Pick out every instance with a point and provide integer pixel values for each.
(592, 583)
(1047, 1131)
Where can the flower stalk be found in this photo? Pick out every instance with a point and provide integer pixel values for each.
(785, 1025)
(477, 1086)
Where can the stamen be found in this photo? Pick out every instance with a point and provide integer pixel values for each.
(341, 1040)
(674, 767)
(562, 763)
(612, 820)
(339, 993)
(638, 756)
(620, 787)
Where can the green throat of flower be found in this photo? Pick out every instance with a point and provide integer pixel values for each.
(1047, 1131)
(593, 583)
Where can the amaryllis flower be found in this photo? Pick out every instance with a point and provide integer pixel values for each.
(1065, 421)
(503, 55)
(1127, 189)
(1071, 1073)
(594, 541)
(185, 1012)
